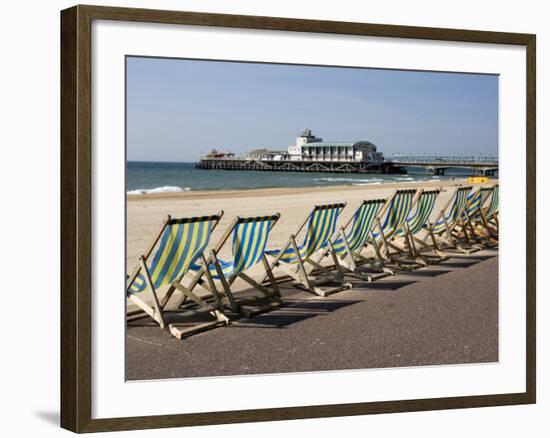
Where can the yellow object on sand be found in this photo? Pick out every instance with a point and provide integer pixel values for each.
(478, 179)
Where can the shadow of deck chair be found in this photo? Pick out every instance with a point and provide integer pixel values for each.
(297, 261)
(354, 237)
(441, 230)
(181, 243)
(249, 239)
(391, 221)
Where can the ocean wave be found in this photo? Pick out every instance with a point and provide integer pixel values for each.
(352, 180)
(163, 189)
(373, 183)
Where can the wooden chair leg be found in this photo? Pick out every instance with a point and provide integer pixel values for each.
(211, 283)
(301, 267)
(144, 307)
(270, 275)
(156, 303)
(226, 287)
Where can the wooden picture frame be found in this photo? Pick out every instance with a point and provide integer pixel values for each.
(76, 217)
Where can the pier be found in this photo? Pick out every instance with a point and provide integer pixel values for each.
(434, 165)
(296, 165)
(437, 165)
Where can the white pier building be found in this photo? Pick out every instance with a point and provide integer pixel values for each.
(311, 148)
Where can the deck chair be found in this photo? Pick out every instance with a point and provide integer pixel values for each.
(297, 261)
(396, 212)
(441, 230)
(250, 236)
(490, 214)
(474, 227)
(406, 238)
(355, 236)
(179, 244)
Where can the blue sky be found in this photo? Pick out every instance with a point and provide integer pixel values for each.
(177, 110)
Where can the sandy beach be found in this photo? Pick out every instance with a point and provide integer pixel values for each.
(146, 212)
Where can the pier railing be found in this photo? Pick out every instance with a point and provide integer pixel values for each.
(442, 160)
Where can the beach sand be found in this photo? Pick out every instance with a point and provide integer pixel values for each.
(145, 213)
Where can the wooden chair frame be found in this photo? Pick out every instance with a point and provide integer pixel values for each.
(303, 273)
(158, 311)
(450, 241)
(489, 224)
(386, 243)
(353, 260)
(412, 256)
(248, 307)
(478, 226)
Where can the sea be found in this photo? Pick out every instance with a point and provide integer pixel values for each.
(144, 177)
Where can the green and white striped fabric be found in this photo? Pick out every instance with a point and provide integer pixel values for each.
(320, 228)
(493, 206)
(181, 244)
(398, 210)
(361, 227)
(418, 218)
(455, 211)
(250, 237)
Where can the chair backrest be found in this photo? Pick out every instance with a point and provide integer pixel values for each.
(418, 217)
(493, 205)
(473, 203)
(181, 244)
(457, 207)
(398, 210)
(249, 240)
(363, 222)
(321, 227)
(475, 200)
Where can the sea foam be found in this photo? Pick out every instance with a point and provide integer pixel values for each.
(163, 189)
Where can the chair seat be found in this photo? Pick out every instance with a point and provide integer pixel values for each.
(440, 226)
(340, 246)
(290, 255)
(228, 268)
(387, 232)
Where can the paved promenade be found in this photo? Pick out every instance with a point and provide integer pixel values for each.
(442, 314)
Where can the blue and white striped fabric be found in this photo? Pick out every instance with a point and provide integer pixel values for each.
(320, 228)
(473, 204)
(455, 212)
(398, 210)
(250, 237)
(493, 206)
(181, 244)
(361, 227)
(418, 218)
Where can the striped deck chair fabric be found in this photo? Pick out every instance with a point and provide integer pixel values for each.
(418, 218)
(455, 211)
(361, 228)
(473, 204)
(320, 228)
(398, 210)
(493, 205)
(249, 240)
(182, 243)
(177, 246)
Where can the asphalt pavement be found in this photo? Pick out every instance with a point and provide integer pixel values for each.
(442, 314)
